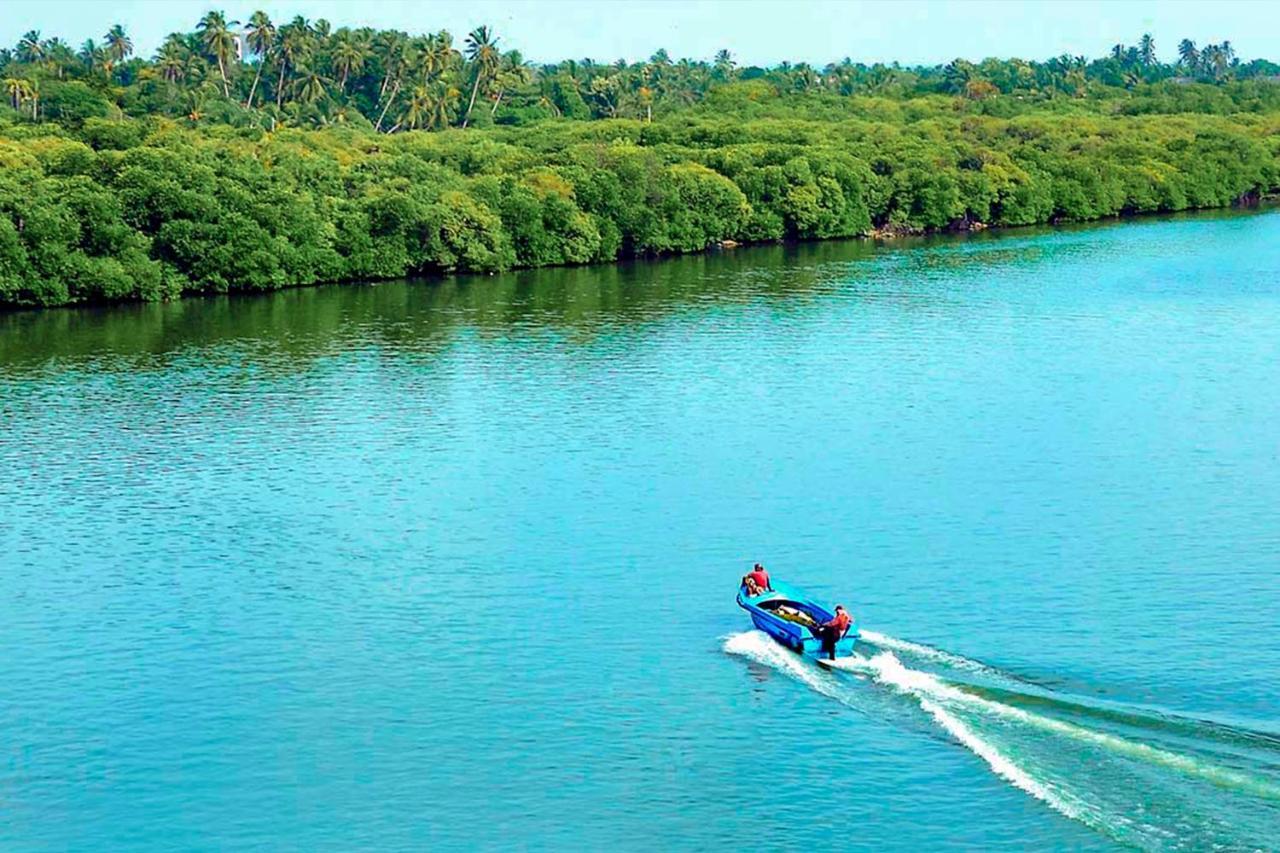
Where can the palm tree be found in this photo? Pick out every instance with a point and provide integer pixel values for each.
(260, 36)
(512, 73)
(1147, 50)
(19, 91)
(30, 48)
(295, 44)
(1188, 54)
(437, 55)
(310, 86)
(119, 45)
(58, 56)
(391, 97)
(724, 65)
(348, 55)
(1214, 59)
(482, 50)
(33, 95)
(219, 42)
(416, 109)
(170, 61)
(443, 100)
(957, 74)
(195, 105)
(389, 47)
(94, 58)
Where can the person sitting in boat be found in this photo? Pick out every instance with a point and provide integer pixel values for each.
(833, 630)
(758, 579)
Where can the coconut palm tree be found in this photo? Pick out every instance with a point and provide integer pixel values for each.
(219, 42)
(310, 86)
(30, 48)
(260, 36)
(443, 100)
(482, 50)
(1214, 60)
(171, 61)
(31, 94)
(349, 55)
(416, 109)
(437, 55)
(119, 45)
(513, 73)
(293, 48)
(1188, 54)
(19, 91)
(1147, 50)
(95, 58)
(957, 74)
(390, 99)
(58, 56)
(390, 48)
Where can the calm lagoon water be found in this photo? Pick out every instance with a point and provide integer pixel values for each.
(451, 565)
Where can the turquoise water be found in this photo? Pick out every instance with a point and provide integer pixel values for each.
(451, 565)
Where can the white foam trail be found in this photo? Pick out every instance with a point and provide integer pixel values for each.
(1002, 766)
(887, 669)
(884, 641)
(759, 647)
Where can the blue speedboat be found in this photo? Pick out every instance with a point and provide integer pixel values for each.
(791, 617)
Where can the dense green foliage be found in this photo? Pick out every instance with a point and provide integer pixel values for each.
(279, 174)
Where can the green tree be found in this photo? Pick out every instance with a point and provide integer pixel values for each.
(310, 86)
(1188, 55)
(219, 42)
(260, 36)
(119, 45)
(20, 91)
(482, 51)
(1147, 50)
(30, 49)
(293, 48)
(349, 55)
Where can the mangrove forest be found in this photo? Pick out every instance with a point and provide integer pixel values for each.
(253, 155)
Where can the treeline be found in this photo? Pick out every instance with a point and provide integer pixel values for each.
(261, 73)
(114, 209)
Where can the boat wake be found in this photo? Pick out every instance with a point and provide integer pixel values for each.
(1142, 777)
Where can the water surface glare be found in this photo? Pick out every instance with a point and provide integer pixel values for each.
(451, 564)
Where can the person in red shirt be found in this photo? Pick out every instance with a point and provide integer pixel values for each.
(761, 578)
(833, 630)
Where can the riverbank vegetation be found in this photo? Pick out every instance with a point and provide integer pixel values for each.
(255, 157)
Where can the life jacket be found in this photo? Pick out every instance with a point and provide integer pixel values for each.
(841, 622)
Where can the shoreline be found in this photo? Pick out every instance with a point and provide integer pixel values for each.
(878, 236)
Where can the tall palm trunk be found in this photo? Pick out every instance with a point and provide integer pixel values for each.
(226, 93)
(497, 103)
(254, 88)
(280, 86)
(474, 88)
(394, 91)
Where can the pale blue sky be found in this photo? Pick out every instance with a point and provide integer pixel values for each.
(756, 31)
